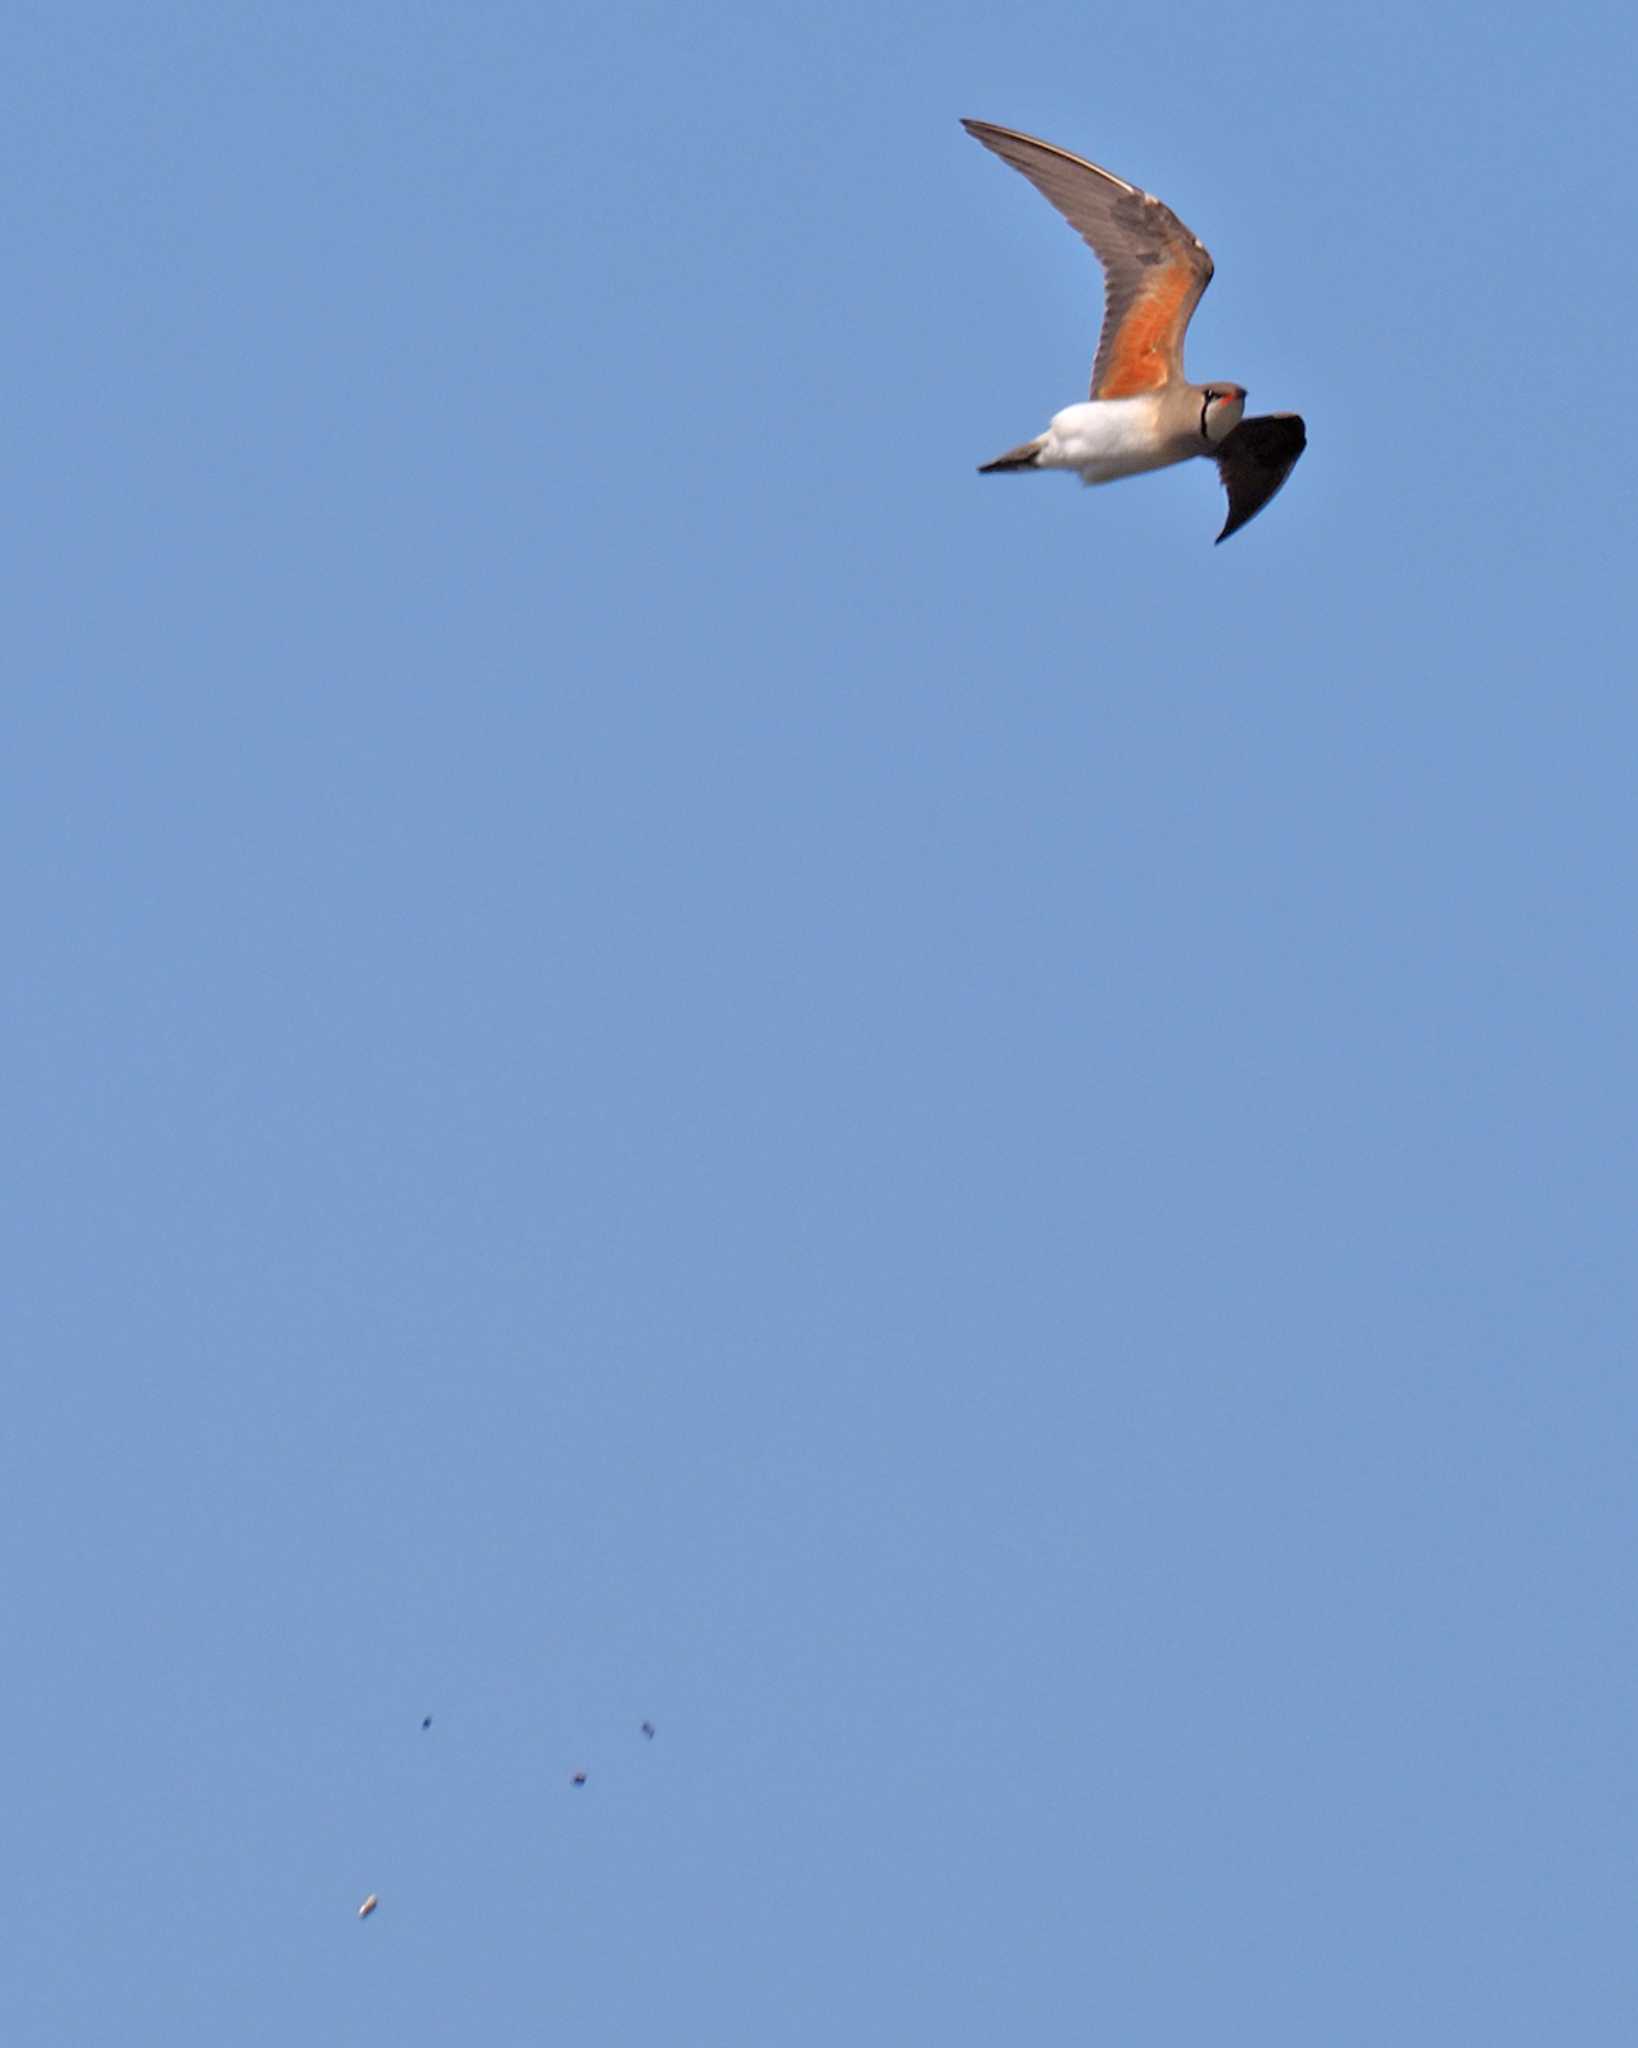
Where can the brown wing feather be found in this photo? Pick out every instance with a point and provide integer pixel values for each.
(1154, 268)
(1145, 349)
(1255, 460)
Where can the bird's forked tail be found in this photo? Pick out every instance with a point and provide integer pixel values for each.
(1022, 457)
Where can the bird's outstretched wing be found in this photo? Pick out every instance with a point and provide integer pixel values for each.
(1154, 269)
(1255, 460)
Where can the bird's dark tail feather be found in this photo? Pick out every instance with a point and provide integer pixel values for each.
(1016, 458)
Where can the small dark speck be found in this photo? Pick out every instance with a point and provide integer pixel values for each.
(427, 1723)
(578, 1778)
(648, 1730)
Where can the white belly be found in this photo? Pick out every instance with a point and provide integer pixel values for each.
(1104, 438)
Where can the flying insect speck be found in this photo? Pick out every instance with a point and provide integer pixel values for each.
(427, 1723)
(368, 1907)
(648, 1730)
(577, 1777)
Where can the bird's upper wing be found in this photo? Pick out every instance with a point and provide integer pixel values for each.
(1255, 460)
(1154, 269)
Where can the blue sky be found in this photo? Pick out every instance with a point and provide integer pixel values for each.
(667, 1058)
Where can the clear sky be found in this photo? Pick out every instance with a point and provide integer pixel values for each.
(667, 1058)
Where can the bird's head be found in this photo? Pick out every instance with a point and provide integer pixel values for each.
(1220, 408)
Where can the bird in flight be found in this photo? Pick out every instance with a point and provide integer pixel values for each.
(1143, 412)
